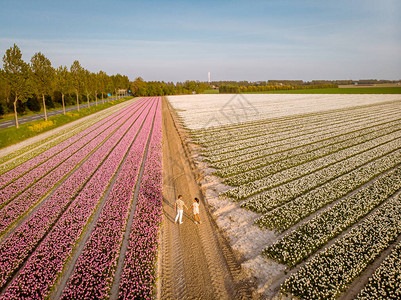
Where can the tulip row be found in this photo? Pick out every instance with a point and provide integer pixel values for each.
(209, 132)
(70, 204)
(41, 146)
(139, 272)
(287, 215)
(95, 268)
(14, 168)
(313, 157)
(249, 141)
(7, 162)
(385, 283)
(281, 190)
(286, 142)
(328, 145)
(310, 236)
(248, 132)
(331, 271)
(52, 253)
(220, 110)
(23, 202)
(289, 168)
(209, 137)
(19, 180)
(289, 130)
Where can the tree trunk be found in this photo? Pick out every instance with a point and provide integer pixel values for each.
(87, 98)
(102, 98)
(62, 99)
(44, 106)
(96, 98)
(15, 111)
(77, 100)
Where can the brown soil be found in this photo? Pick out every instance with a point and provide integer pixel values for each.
(195, 260)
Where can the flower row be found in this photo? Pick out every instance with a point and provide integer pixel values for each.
(8, 163)
(210, 136)
(340, 141)
(23, 202)
(95, 268)
(331, 271)
(37, 167)
(310, 236)
(139, 273)
(277, 129)
(69, 203)
(293, 142)
(291, 135)
(285, 186)
(23, 164)
(347, 148)
(287, 215)
(205, 111)
(385, 283)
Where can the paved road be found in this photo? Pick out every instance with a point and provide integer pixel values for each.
(10, 123)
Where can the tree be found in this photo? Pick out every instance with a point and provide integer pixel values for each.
(102, 81)
(77, 77)
(63, 82)
(110, 84)
(138, 87)
(4, 92)
(118, 83)
(17, 74)
(114, 83)
(42, 75)
(88, 84)
(95, 85)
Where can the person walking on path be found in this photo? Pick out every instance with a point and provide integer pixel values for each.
(195, 208)
(179, 208)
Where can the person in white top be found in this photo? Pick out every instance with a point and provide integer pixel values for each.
(195, 208)
(179, 208)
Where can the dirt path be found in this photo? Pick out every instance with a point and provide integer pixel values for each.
(196, 262)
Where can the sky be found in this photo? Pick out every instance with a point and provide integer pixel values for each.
(233, 40)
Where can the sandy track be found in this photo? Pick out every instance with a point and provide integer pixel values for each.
(196, 262)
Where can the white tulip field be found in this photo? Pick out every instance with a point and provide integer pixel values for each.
(322, 172)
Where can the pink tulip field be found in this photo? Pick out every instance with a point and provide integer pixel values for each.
(65, 212)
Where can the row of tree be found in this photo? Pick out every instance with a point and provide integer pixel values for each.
(233, 89)
(21, 83)
(139, 87)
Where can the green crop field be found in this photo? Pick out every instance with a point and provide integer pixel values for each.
(211, 91)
